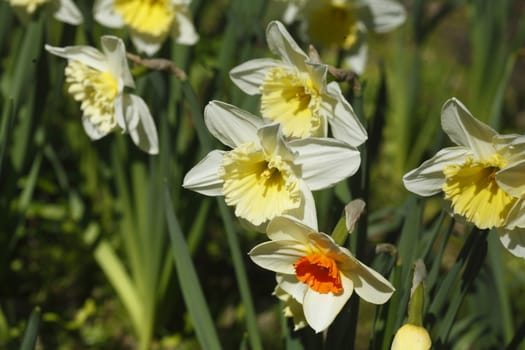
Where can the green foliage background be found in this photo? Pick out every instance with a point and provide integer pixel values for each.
(101, 248)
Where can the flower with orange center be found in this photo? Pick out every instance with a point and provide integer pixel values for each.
(316, 272)
(150, 21)
(482, 176)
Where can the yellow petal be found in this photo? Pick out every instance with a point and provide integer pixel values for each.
(475, 194)
(151, 17)
(259, 188)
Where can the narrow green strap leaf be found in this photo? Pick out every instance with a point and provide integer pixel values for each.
(119, 279)
(189, 281)
(242, 280)
(31, 332)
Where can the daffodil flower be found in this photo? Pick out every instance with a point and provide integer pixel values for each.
(63, 10)
(345, 23)
(482, 176)
(264, 175)
(295, 93)
(149, 22)
(97, 80)
(316, 272)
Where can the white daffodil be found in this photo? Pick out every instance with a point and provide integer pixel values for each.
(63, 10)
(264, 175)
(482, 176)
(97, 80)
(317, 272)
(344, 23)
(149, 22)
(294, 92)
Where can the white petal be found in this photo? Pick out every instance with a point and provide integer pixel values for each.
(428, 178)
(231, 125)
(281, 43)
(289, 228)
(146, 43)
(290, 13)
(183, 31)
(343, 121)
(510, 179)
(105, 14)
(325, 161)
(115, 52)
(386, 14)
(119, 113)
(291, 285)
(278, 256)
(514, 241)
(357, 58)
(85, 54)
(320, 310)
(93, 132)
(140, 124)
(370, 285)
(250, 75)
(516, 216)
(465, 130)
(68, 12)
(203, 177)
(273, 142)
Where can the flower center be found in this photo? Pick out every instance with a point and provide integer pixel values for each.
(260, 188)
(293, 101)
(96, 90)
(150, 17)
(332, 23)
(475, 194)
(29, 5)
(319, 272)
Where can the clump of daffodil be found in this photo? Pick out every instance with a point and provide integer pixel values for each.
(265, 175)
(294, 92)
(482, 177)
(97, 80)
(150, 22)
(316, 272)
(63, 10)
(344, 23)
(412, 335)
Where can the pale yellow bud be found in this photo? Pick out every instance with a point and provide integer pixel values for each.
(411, 337)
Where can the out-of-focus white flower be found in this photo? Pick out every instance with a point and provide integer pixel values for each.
(294, 92)
(264, 175)
(316, 272)
(97, 80)
(482, 176)
(344, 23)
(149, 22)
(63, 10)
